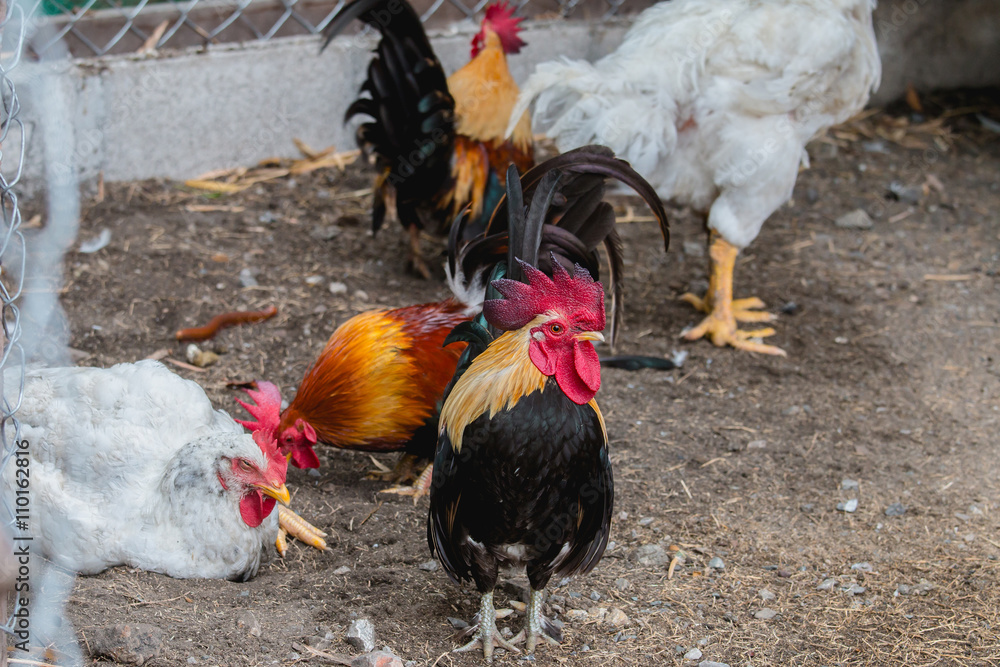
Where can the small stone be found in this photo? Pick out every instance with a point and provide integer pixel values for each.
(623, 584)
(908, 194)
(791, 411)
(709, 663)
(338, 288)
(827, 585)
(652, 555)
(325, 233)
(849, 484)
(361, 295)
(693, 654)
(717, 563)
(343, 569)
(200, 358)
(855, 589)
(645, 521)
(757, 444)
(863, 567)
(377, 659)
(616, 618)
(247, 278)
(459, 624)
(429, 566)
(312, 281)
(576, 614)
(765, 595)
(765, 614)
(848, 506)
(895, 509)
(361, 635)
(856, 219)
(245, 620)
(791, 308)
(595, 596)
(128, 644)
(812, 195)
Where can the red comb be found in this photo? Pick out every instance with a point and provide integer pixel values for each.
(501, 20)
(577, 297)
(276, 463)
(265, 409)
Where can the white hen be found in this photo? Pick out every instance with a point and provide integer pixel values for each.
(713, 102)
(131, 465)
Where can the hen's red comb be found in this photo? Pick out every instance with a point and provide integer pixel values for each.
(578, 297)
(276, 462)
(265, 409)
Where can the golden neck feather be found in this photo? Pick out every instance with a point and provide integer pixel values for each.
(497, 379)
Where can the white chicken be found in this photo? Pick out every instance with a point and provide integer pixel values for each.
(713, 102)
(131, 465)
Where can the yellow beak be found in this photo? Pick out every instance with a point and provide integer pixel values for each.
(590, 335)
(279, 493)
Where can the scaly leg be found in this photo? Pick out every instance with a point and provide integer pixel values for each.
(420, 487)
(486, 633)
(536, 625)
(290, 523)
(416, 256)
(723, 311)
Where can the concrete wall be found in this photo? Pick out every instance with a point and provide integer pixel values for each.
(182, 114)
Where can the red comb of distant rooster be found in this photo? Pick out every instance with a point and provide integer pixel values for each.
(265, 409)
(578, 297)
(500, 19)
(277, 465)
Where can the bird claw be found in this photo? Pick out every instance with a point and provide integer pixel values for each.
(421, 486)
(290, 523)
(488, 639)
(531, 640)
(720, 327)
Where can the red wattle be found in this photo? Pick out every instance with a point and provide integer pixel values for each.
(580, 379)
(543, 361)
(255, 507)
(304, 457)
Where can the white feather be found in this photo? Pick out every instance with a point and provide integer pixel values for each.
(714, 101)
(123, 466)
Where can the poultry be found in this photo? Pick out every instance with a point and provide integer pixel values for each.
(131, 465)
(439, 143)
(522, 476)
(378, 382)
(714, 102)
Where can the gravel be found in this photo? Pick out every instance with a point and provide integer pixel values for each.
(856, 219)
(127, 644)
(361, 635)
(693, 654)
(765, 614)
(848, 506)
(895, 509)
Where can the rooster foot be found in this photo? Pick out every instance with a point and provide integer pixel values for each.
(744, 310)
(484, 631)
(537, 626)
(417, 262)
(404, 470)
(420, 488)
(722, 331)
(290, 523)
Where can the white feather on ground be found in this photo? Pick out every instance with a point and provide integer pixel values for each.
(125, 467)
(714, 101)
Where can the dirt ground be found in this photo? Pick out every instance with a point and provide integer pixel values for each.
(892, 380)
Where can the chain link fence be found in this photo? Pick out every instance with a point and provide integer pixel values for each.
(103, 27)
(13, 28)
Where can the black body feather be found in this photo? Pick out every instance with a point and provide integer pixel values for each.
(535, 477)
(412, 131)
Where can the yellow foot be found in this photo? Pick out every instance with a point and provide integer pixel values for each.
(420, 488)
(723, 311)
(721, 330)
(290, 523)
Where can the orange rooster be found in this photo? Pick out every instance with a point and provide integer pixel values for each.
(440, 144)
(378, 381)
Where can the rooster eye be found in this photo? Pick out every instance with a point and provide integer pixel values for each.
(246, 465)
(556, 328)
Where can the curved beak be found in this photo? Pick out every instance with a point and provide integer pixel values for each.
(590, 335)
(279, 493)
